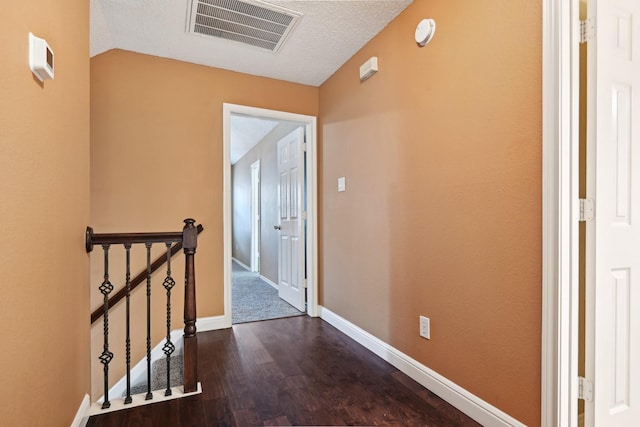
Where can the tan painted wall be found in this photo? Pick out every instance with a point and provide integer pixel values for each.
(44, 183)
(441, 151)
(156, 158)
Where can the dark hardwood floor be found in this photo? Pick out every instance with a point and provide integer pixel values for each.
(293, 371)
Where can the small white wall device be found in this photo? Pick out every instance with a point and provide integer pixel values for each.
(369, 68)
(425, 31)
(40, 58)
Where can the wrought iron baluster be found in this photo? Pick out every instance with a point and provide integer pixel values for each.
(127, 247)
(168, 347)
(105, 357)
(149, 395)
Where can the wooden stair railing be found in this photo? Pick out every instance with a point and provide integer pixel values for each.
(185, 239)
(137, 280)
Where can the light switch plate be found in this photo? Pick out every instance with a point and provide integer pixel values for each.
(342, 185)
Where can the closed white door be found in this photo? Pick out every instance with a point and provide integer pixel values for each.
(613, 237)
(291, 272)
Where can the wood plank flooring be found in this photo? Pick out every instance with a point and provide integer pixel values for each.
(293, 371)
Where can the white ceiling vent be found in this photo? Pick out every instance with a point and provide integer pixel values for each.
(251, 22)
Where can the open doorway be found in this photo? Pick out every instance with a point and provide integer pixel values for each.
(258, 256)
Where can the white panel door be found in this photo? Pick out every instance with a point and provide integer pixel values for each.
(613, 238)
(291, 207)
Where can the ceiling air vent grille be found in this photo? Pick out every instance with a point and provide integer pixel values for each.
(251, 22)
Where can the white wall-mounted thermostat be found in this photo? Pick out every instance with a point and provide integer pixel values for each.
(40, 58)
(424, 32)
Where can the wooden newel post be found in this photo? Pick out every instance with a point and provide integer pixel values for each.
(189, 243)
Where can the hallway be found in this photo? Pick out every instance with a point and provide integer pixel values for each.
(293, 371)
(253, 299)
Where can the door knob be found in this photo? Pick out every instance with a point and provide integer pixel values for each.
(276, 227)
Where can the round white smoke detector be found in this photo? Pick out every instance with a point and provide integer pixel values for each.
(425, 30)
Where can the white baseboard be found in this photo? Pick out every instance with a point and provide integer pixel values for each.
(476, 408)
(214, 323)
(241, 263)
(273, 284)
(80, 420)
(140, 400)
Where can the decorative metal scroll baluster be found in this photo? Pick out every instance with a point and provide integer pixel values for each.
(186, 240)
(127, 247)
(105, 288)
(149, 395)
(168, 347)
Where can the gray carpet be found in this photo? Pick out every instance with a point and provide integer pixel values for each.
(159, 375)
(237, 268)
(253, 299)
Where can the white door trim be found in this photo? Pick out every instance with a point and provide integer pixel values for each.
(255, 216)
(560, 140)
(310, 123)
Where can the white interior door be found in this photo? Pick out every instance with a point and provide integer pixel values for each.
(291, 207)
(613, 238)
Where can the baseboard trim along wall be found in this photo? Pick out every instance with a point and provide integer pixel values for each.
(214, 323)
(245, 266)
(269, 282)
(463, 400)
(80, 420)
(139, 399)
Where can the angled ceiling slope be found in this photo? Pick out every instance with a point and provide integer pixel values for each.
(327, 34)
(246, 132)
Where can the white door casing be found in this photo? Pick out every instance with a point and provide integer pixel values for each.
(560, 249)
(291, 287)
(255, 216)
(613, 237)
(311, 177)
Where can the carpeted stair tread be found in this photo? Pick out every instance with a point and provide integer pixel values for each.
(159, 375)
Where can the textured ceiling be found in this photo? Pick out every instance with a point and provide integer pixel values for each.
(328, 34)
(247, 132)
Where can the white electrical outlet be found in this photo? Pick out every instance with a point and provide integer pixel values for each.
(425, 327)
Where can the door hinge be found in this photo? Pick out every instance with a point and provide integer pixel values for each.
(586, 210)
(587, 30)
(304, 147)
(304, 283)
(304, 215)
(585, 389)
